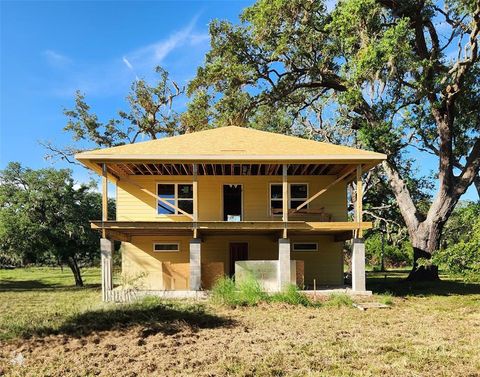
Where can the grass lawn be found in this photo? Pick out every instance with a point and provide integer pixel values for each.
(50, 328)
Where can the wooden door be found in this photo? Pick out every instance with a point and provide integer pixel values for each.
(238, 251)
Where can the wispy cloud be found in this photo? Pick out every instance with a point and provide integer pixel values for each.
(56, 59)
(155, 53)
(127, 63)
(115, 75)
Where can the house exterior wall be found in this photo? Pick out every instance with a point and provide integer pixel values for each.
(170, 270)
(136, 205)
(146, 269)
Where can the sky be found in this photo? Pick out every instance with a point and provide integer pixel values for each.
(50, 49)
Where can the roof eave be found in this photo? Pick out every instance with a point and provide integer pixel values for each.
(374, 157)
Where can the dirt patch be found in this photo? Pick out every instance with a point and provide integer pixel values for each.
(414, 338)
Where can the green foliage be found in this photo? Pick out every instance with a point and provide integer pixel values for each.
(44, 217)
(224, 292)
(249, 293)
(292, 296)
(380, 71)
(460, 254)
(386, 298)
(338, 300)
(397, 254)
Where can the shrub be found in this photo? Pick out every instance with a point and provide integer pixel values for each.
(394, 256)
(224, 292)
(250, 292)
(338, 300)
(291, 295)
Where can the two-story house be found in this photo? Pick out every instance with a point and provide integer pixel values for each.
(190, 207)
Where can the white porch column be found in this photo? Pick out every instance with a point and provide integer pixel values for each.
(195, 264)
(358, 265)
(106, 250)
(284, 273)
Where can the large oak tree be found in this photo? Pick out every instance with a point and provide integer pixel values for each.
(403, 74)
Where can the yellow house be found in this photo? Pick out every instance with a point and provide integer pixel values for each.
(194, 207)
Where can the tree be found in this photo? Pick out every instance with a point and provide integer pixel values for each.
(404, 75)
(43, 216)
(460, 247)
(151, 114)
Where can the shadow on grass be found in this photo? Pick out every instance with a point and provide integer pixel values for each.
(395, 283)
(9, 285)
(151, 313)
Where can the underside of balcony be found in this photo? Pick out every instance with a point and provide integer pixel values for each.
(123, 230)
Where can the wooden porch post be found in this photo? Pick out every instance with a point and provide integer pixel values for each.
(284, 199)
(104, 198)
(195, 200)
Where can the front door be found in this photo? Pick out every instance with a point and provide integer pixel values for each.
(238, 251)
(232, 202)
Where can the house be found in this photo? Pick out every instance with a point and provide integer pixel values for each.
(194, 207)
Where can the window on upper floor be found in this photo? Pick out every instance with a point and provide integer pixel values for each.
(178, 194)
(298, 194)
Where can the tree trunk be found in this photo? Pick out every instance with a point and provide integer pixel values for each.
(72, 263)
(424, 272)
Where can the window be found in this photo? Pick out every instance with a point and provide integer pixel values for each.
(276, 196)
(305, 246)
(177, 194)
(298, 194)
(165, 247)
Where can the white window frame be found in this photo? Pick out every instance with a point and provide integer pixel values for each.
(175, 198)
(166, 243)
(289, 196)
(303, 250)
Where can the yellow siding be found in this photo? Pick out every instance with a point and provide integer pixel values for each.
(325, 266)
(133, 204)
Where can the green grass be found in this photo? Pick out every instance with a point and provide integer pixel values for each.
(247, 293)
(36, 298)
(250, 293)
(338, 300)
(63, 330)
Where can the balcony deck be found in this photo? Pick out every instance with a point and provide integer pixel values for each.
(123, 230)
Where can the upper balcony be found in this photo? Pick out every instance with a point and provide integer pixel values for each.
(233, 174)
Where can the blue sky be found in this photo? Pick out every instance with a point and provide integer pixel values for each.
(50, 49)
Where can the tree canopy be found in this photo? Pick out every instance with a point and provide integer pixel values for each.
(44, 217)
(403, 76)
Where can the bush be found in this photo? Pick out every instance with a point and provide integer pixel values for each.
(291, 295)
(460, 254)
(224, 292)
(249, 293)
(394, 256)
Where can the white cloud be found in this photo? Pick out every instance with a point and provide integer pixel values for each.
(154, 54)
(56, 59)
(114, 76)
(127, 63)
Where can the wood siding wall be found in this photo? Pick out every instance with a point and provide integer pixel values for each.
(135, 205)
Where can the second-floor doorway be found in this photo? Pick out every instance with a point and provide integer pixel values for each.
(232, 202)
